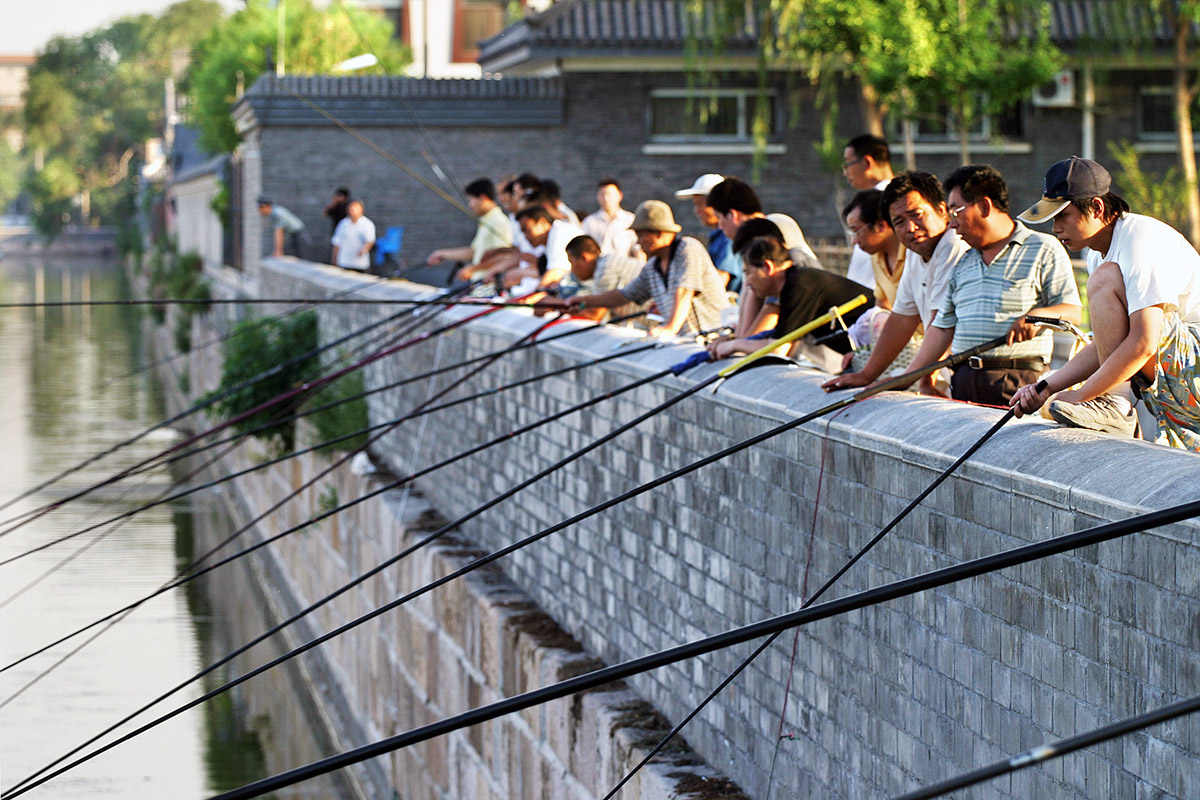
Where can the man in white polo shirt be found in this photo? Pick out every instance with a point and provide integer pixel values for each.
(915, 206)
(353, 238)
(1144, 302)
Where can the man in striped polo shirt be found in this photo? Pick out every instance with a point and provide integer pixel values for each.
(1009, 272)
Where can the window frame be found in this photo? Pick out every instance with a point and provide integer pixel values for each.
(745, 110)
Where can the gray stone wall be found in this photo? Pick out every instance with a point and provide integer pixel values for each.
(881, 700)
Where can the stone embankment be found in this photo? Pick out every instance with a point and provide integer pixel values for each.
(877, 701)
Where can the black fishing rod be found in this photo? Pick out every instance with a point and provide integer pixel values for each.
(200, 406)
(336, 463)
(172, 455)
(283, 397)
(314, 301)
(170, 498)
(1047, 752)
(607, 675)
(678, 369)
(746, 662)
(439, 371)
(194, 571)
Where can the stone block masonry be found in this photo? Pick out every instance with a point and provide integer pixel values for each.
(879, 701)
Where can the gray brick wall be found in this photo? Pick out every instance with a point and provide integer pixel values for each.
(883, 699)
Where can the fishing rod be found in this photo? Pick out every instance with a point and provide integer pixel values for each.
(311, 448)
(441, 370)
(158, 461)
(283, 397)
(336, 463)
(193, 570)
(168, 457)
(748, 660)
(203, 404)
(1047, 752)
(607, 675)
(248, 301)
(275, 507)
(695, 360)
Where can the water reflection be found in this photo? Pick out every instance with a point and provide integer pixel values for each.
(59, 404)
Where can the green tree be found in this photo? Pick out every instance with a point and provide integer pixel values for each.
(94, 100)
(972, 57)
(315, 40)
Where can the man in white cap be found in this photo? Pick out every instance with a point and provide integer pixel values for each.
(679, 276)
(719, 246)
(1144, 300)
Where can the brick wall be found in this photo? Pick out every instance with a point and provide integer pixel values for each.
(883, 699)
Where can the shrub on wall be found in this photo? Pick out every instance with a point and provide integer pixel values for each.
(257, 349)
(342, 419)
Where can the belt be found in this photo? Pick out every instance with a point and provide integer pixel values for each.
(975, 362)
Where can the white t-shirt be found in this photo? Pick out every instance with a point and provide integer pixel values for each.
(1158, 264)
(561, 233)
(861, 269)
(923, 284)
(349, 237)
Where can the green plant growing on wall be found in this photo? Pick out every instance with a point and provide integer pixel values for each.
(256, 348)
(185, 282)
(342, 419)
(1164, 196)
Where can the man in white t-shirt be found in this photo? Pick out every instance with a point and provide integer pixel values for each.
(1144, 302)
(353, 238)
(609, 224)
(914, 204)
(867, 164)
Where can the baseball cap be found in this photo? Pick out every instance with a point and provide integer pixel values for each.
(1072, 178)
(703, 185)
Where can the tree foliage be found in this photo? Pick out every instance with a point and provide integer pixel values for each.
(237, 52)
(94, 100)
(914, 57)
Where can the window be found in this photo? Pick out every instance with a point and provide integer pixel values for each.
(474, 21)
(1156, 113)
(939, 126)
(709, 115)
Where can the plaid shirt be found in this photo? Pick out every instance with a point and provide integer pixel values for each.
(983, 300)
(691, 268)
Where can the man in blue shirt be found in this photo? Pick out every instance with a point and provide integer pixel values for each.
(720, 249)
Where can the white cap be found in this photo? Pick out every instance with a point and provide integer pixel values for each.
(703, 185)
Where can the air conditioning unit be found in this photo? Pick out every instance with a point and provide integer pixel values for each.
(1056, 93)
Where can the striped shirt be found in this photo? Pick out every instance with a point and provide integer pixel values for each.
(691, 268)
(983, 300)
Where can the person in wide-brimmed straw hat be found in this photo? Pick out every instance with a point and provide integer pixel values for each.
(1144, 301)
(679, 276)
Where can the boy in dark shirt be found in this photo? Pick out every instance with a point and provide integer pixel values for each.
(802, 294)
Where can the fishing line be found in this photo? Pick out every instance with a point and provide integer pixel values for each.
(891, 591)
(699, 358)
(902, 380)
(1062, 747)
(203, 404)
(336, 463)
(189, 573)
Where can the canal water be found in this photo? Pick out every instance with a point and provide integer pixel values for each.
(65, 394)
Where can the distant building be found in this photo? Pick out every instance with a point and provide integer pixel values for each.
(14, 78)
(444, 35)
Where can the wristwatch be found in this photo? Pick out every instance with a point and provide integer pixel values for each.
(773, 300)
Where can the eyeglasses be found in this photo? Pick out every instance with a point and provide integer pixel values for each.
(954, 212)
(848, 164)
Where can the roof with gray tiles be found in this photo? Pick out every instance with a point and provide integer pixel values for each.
(368, 101)
(626, 27)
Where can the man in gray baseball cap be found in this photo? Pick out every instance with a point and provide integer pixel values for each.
(1144, 301)
(679, 276)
